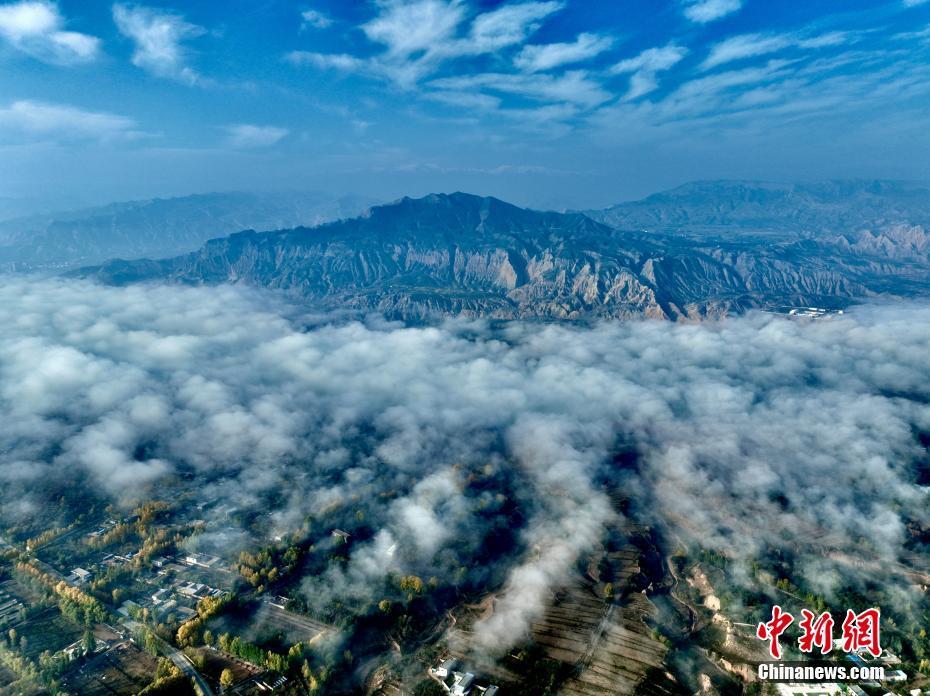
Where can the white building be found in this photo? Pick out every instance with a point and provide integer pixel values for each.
(445, 669)
(462, 684)
(80, 576)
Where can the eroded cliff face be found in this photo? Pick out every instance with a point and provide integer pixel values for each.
(461, 255)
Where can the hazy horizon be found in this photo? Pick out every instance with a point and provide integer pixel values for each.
(12, 208)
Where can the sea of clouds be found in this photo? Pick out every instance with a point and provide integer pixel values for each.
(749, 433)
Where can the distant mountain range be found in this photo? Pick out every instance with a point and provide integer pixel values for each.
(159, 228)
(705, 249)
(780, 209)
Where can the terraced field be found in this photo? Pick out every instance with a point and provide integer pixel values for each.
(622, 657)
(608, 641)
(601, 634)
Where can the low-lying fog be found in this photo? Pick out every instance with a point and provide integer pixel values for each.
(749, 432)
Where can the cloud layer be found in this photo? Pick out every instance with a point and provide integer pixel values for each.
(749, 434)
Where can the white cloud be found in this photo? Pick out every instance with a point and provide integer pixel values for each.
(923, 34)
(64, 122)
(315, 19)
(36, 28)
(507, 26)
(420, 35)
(752, 45)
(913, 3)
(409, 27)
(335, 61)
(158, 38)
(704, 11)
(246, 135)
(468, 100)
(745, 46)
(574, 87)
(548, 56)
(833, 38)
(646, 66)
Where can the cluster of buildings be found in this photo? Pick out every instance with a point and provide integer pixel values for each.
(459, 683)
(102, 529)
(171, 599)
(806, 312)
(9, 608)
(82, 576)
(174, 596)
(892, 673)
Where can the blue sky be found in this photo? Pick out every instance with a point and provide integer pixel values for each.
(551, 103)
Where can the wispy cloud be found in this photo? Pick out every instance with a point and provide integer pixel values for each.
(646, 66)
(920, 34)
(334, 61)
(34, 119)
(468, 100)
(704, 11)
(315, 19)
(509, 25)
(574, 87)
(409, 27)
(753, 45)
(37, 29)
(245, 135)
(549, 56)
(418, 37)
(158, 37)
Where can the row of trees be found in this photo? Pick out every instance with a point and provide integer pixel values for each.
(74, 603)
(169, 681)
(234, 645)
(296, 663)
(78, 606)
(191, 631)
(46, 537)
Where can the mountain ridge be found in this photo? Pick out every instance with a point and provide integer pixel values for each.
(464, 255)
(784, 207)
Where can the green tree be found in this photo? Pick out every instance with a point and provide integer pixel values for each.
(428, 687)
